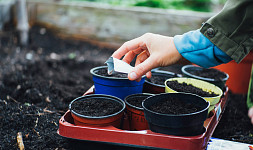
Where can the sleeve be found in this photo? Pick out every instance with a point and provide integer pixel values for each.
(198, 49)
(231, 30)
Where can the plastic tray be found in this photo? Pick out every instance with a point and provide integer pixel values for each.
(144, 138)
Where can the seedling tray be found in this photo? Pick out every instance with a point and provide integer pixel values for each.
(144, 138)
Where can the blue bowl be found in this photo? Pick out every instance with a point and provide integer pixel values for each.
(119, 87)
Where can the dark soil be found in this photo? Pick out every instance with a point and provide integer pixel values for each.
(95, 107)
(103, 72)
(137, 100)
(38, 82)
(235, 124)
(189, 88)
(159, 78)
(174, 106)
(209, 73)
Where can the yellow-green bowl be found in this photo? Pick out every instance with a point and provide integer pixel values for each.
(205, 86)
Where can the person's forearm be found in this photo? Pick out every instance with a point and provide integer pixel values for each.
(196, 48)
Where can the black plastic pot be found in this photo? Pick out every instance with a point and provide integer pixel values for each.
(154, 88)
(179, 125)
(189, 69)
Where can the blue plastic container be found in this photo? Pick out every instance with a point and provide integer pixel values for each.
(119, 87)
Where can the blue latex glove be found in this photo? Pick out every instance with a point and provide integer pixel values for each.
(196, 48)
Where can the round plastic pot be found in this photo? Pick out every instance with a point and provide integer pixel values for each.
(119, 87)
(135, 114)
(154, 88)
(186, 70)
(179, 125)
(205, 86)
(239, 74)
(98, 121)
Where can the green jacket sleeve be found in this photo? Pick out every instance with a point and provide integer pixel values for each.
(231, 30)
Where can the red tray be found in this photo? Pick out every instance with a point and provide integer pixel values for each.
(142, 138)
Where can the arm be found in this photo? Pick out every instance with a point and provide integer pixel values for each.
(231, 30)
(196, 48)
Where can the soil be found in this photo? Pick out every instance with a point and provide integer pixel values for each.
(95, 107)
(38, 82)
(189, 88)
(137, 100)
(159, 78)
(174, 106)
(209, 73)
(103, 72)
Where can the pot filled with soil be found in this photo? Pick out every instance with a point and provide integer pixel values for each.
(208, 91)
(135, 111)
(155, 84)
(97, 110)
(116, 84)
(180, 114)
(210, 75)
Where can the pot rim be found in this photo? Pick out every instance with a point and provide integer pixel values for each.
(219, 94)
(114, 78)
(138, 108)
(161, 72)
(180, 115)
(183, 69)
(98, 95)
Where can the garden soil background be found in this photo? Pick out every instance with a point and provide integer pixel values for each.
(38, 82)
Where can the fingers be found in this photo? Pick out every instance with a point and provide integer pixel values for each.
(141, 69)
(129, 46)
(142, 57)
(131, 54)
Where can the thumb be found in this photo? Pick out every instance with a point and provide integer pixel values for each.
(141, 69)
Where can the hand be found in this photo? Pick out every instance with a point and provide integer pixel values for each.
(153, 51)
(250, 114)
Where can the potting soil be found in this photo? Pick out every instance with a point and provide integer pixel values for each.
(159, 79)
(189, 88)
(96, 107)
(174, 106)
(39, 81)
(136, 101)
(209, 73)
(103, 72)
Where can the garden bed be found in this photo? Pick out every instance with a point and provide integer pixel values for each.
(38, 83)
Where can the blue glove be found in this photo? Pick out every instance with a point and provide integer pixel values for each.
(196, 48)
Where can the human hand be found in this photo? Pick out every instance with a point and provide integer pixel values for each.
(153, 51)
(250, 114)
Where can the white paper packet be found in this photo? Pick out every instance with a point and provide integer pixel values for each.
(116, 65)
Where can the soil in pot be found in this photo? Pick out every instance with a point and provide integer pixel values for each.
(155, 84)
(137, 100)
(97, 110)
(103, 72)
(209, 73)
(174, 106)
(159, 79)
(96, 107)
(135, 111)
(189, 88)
